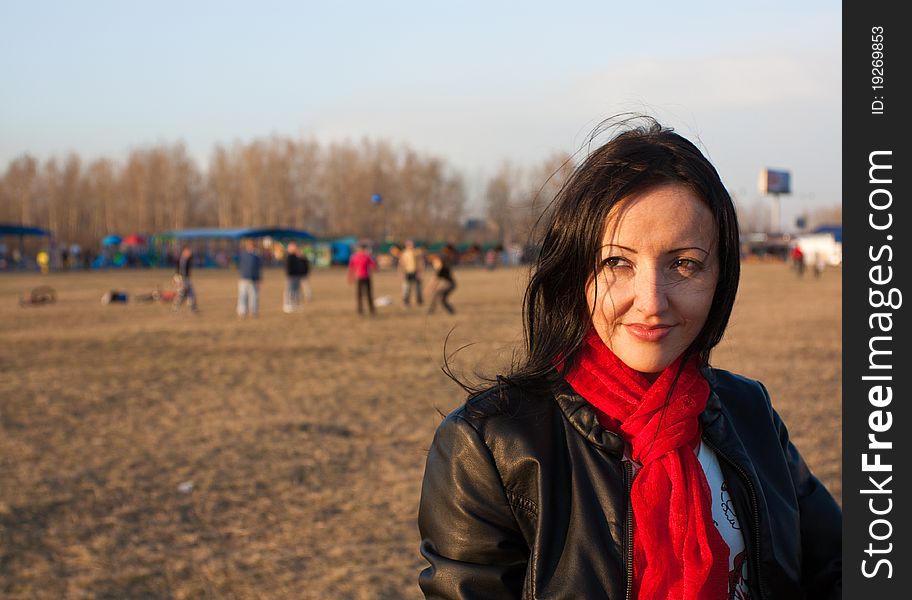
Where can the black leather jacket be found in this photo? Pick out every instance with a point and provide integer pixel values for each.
(526, 496)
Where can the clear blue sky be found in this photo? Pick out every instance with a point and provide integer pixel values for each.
(759, 85)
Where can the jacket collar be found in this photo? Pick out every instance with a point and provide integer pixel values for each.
(583, 417)
(717, 427)
(713, 408)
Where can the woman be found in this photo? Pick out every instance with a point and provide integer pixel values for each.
(614, 462)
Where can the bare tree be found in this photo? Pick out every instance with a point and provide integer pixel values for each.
(223, 187)
(306, 196)
(19, 189)
(57, 197)
(500, 195)
(542, 184)
(102, 197)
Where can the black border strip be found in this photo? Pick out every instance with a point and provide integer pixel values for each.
(876, 267)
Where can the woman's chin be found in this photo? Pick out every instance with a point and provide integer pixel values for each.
(650, 365)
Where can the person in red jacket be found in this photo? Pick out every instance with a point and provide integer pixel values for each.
(360, 267)
(798, 260)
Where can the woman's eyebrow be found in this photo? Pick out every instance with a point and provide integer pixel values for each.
(688, 248)
(618, 246)
(671, 251)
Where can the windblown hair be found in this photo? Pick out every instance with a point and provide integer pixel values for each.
(641, 155)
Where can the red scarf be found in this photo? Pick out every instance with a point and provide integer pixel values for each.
(678, 552)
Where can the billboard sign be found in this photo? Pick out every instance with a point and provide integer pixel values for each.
(775, 181)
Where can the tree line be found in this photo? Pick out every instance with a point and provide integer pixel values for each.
(326, 189)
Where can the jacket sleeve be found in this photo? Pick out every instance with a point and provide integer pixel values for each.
(468, 532)
(821, 524)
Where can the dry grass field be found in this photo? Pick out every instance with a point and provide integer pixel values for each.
(145, 454)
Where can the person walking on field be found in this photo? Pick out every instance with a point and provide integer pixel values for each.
(250, 267)
(443, 285)
(819, 264)
(411, 268)
(798, 260)
(185, 286)
(297, 268)
(360, 267)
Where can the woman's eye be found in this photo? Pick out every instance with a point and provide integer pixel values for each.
(686, 266)
(613, 262)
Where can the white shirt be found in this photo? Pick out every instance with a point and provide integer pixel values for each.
(723, 512)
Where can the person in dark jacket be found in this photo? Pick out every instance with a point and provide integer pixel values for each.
(614, 461)
(443, 284)
(250, 270)
(182, 279)
(297, 268)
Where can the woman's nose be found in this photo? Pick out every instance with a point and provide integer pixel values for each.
(651, 292)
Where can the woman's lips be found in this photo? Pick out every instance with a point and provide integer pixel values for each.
(648, 333)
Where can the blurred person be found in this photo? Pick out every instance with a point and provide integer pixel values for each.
(798, 260)
(491, 258)
(614, 461)
(450, 254)
(250, 267)
(297, 268)
(182, 279)
(360, 266)
(411, 269)
(443, 284)
(75, 256)
(819, 264)
(44, 260)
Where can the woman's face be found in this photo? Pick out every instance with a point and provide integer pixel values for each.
(656, 276)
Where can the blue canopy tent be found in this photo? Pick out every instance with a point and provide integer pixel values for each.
(237, 234)
(232, 235)
(20, 231)
(835, 230)
(341, 249)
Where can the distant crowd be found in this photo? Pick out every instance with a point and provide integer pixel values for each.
(416, 269)
(54, 257)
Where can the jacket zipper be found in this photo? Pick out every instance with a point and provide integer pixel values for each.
(756, 511)
(628, 476)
